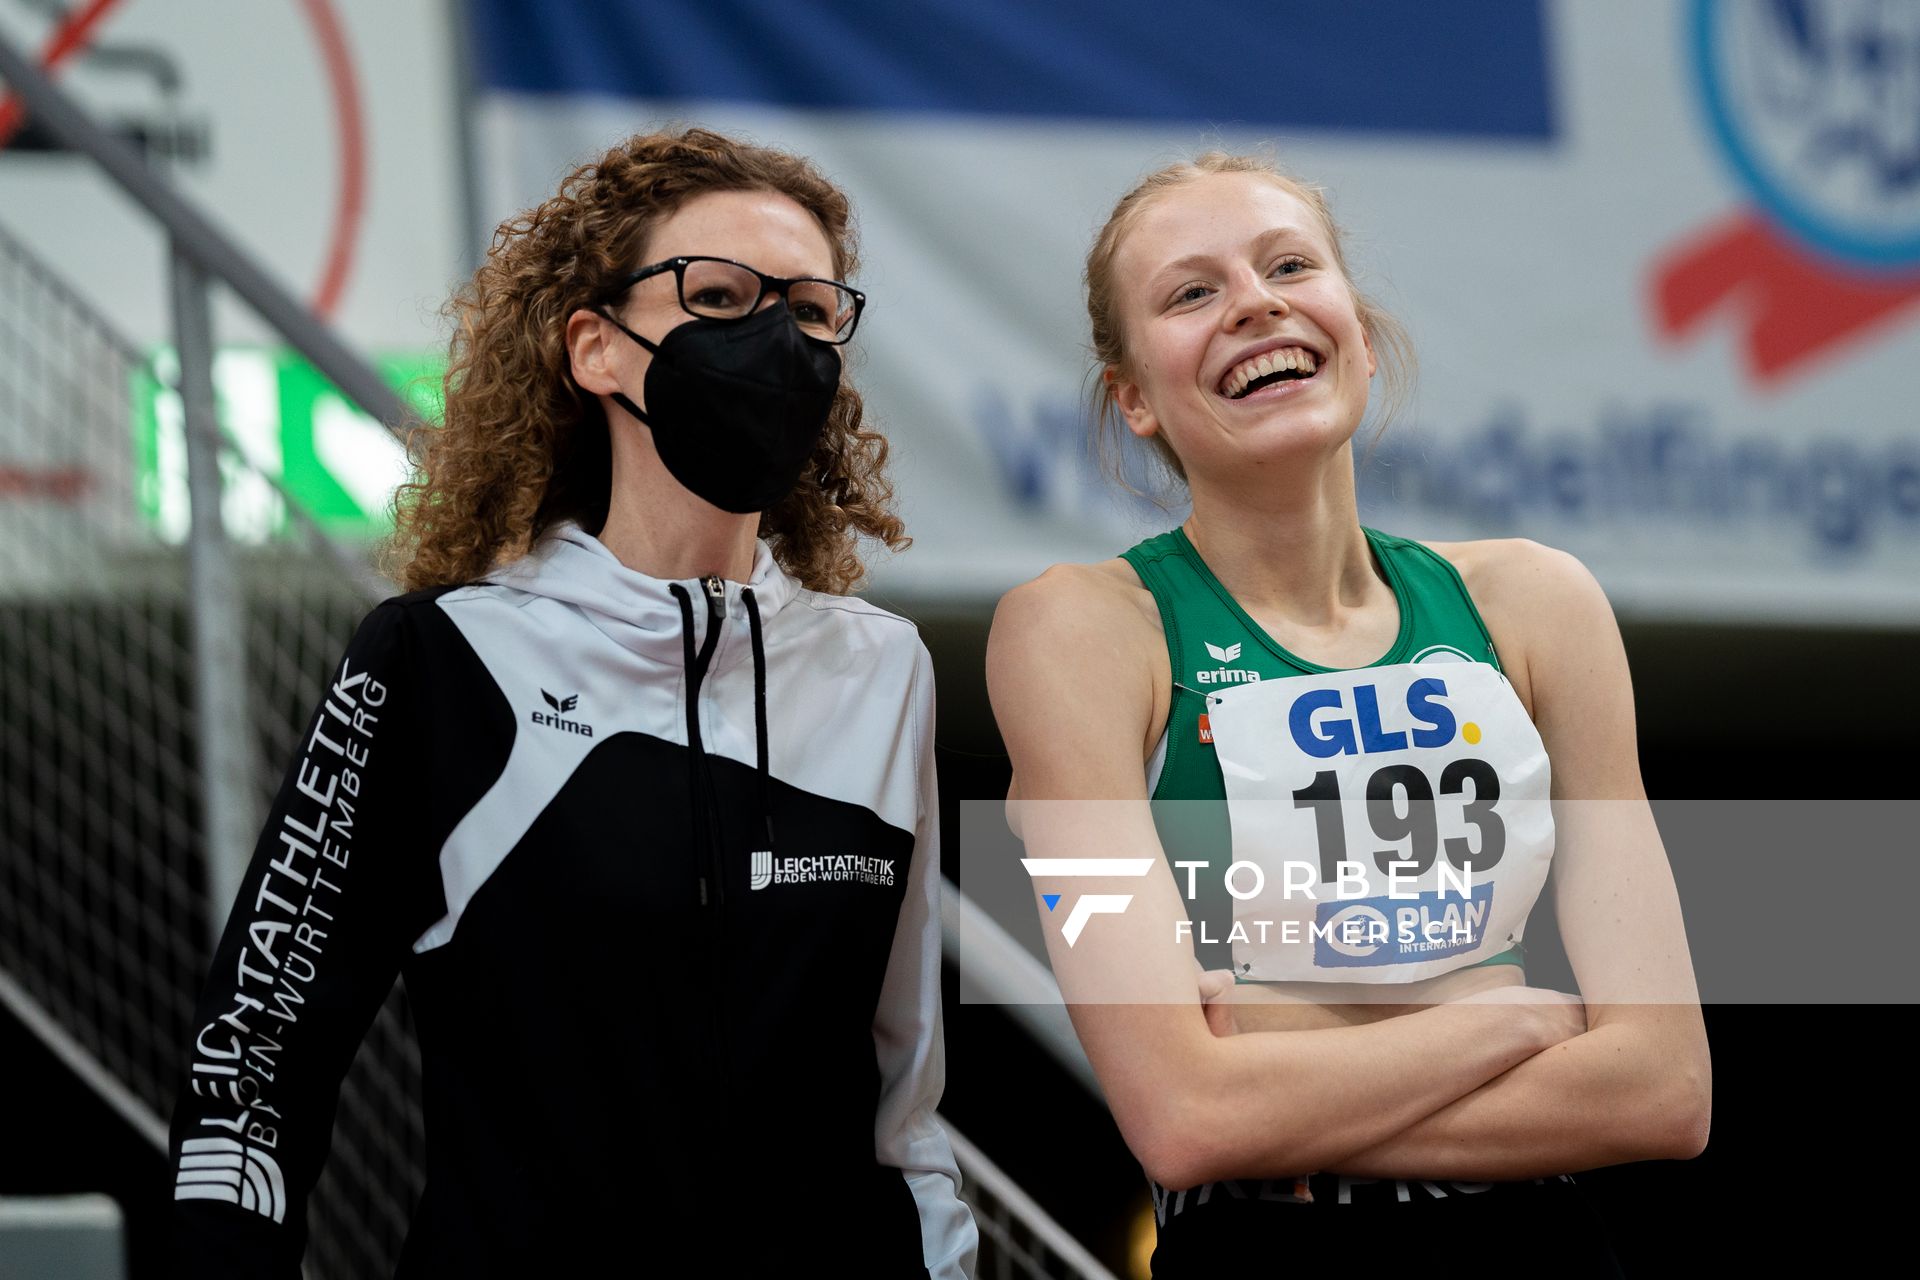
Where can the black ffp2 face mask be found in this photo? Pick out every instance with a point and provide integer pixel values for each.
(736, 406)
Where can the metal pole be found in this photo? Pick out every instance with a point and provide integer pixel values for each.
(194, 236)
(219, 619)
(80, 1060)
(1007, 975)
(474, 233)
(974, 1165)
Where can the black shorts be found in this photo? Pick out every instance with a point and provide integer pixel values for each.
(1417, 1228)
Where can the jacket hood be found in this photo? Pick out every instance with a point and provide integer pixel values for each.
(636, 611)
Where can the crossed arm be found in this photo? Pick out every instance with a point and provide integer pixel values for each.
(1474, 1090)
(1637, 1084)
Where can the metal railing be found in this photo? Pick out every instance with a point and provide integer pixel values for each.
(123, 836)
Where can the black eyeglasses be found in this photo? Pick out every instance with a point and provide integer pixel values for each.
(721, 289)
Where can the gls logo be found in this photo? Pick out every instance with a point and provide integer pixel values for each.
(562, 704)
(1225, 675)
(1091, 904)
(1362, 733)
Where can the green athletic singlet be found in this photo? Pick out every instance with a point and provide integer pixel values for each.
(1212, 643)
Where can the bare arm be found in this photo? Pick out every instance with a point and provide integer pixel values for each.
(1638, 1084)
(1070, 675)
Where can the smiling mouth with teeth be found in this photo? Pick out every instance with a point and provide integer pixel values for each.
(1285, 365)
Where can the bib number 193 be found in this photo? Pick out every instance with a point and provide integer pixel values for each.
(1418, 825)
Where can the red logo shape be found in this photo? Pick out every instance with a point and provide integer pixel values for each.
(1791, 305)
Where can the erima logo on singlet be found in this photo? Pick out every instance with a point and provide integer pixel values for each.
(1363, 732)
(1225, 675)
(564, 703)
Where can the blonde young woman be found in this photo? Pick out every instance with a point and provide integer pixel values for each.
(636, 799)
(1362, 1101)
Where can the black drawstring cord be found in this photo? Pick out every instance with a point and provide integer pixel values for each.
(760, 711)
(693, 723)
(701, 825)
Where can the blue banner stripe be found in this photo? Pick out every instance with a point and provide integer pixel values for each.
(1399, 66)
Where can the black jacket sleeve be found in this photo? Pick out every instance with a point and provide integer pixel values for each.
(310, 951)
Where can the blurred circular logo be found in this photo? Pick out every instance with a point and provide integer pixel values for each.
(1817, 105)
(1441, 653)
(1357, 930)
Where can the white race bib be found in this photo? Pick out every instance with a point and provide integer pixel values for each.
(1426, 779)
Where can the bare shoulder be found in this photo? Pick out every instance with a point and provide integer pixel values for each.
(1499, 571)
(1579, 688)
(1080, 601)
(1076, 670)
(1535, 600)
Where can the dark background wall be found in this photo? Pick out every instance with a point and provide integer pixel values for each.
(1810, 1121)
(1809, 1129)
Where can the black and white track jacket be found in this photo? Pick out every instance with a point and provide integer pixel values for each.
(659, 864)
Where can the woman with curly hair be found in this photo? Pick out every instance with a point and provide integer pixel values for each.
(639, 802)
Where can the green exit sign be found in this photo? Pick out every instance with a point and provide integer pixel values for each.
(287, 424)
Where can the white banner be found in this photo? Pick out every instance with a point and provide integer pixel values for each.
(1658, 259)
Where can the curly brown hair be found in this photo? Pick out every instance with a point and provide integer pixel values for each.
(523, 447)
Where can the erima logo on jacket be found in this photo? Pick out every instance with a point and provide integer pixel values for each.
(562, 704)
(1225, 675)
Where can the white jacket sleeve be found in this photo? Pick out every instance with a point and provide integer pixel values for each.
(908, 1033)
